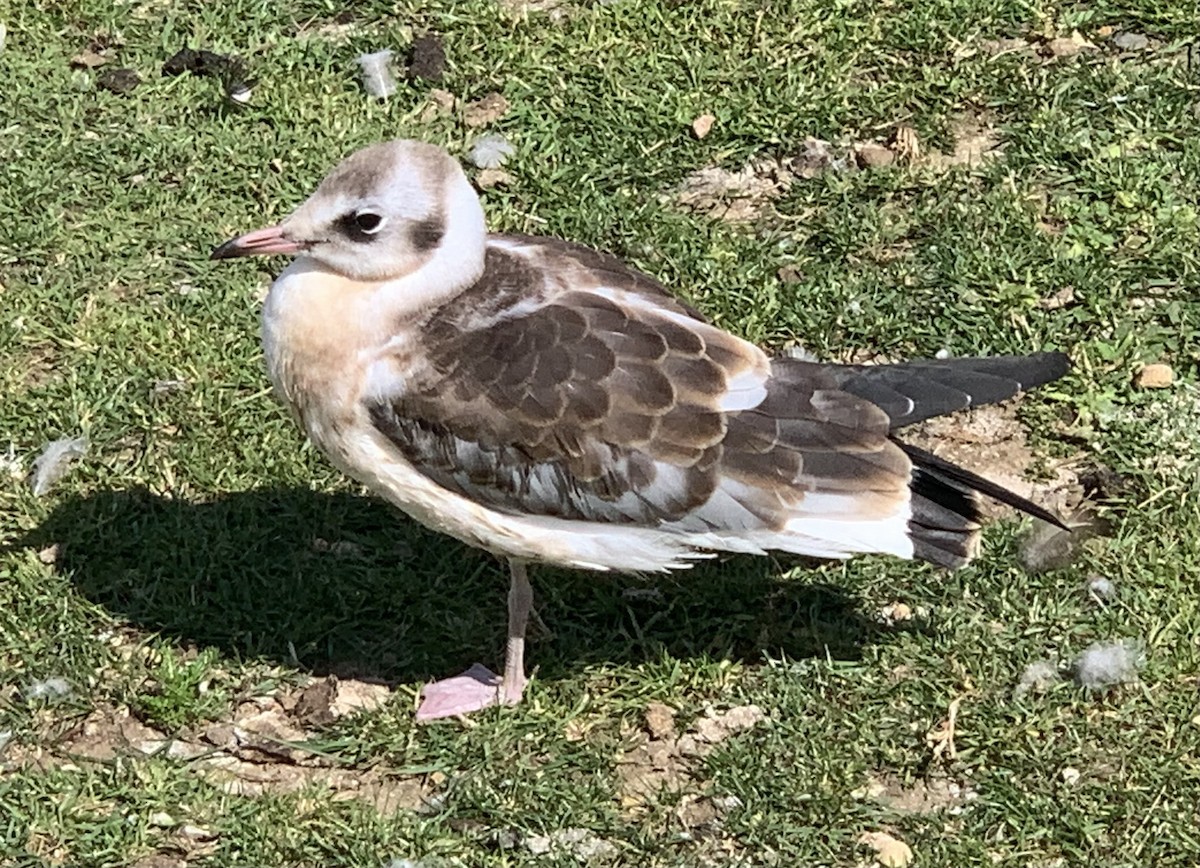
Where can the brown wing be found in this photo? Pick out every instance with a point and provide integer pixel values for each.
(548, 390)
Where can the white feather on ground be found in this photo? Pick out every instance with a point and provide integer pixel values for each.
(491, 151)
(52, 464)
(48, 689)
(1107, 664)
(1037, 678)
(377, 73)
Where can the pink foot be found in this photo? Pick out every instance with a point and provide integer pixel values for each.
(475, 689)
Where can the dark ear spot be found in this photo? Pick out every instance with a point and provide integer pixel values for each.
(424, 235)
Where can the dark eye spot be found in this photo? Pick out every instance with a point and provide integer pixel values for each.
(368, 221)
(360, 225)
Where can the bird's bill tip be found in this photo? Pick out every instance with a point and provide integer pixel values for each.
(260, 242)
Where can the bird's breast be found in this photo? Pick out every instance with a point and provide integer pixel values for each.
(318, 339)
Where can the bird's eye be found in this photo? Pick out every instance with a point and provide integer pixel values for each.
(368, 222)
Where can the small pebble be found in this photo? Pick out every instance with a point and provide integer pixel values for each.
(702, 125)
(489, 178)
(872, 155)
(1154, 376)
(1131, 41)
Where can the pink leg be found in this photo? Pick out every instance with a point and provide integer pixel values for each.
(479, 687)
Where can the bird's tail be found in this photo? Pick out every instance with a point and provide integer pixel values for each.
(945, 497)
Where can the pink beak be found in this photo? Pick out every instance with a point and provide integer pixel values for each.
(260, 242)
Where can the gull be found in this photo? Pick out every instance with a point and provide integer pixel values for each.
(548, 403)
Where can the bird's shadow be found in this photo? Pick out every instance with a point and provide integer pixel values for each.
(344, 584)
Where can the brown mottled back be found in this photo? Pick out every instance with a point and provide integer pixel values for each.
(580, 389)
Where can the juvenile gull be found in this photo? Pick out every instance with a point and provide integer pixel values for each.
(548, 403)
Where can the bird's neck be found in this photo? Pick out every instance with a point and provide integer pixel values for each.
(453, 266)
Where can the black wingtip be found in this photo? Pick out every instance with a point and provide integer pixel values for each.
(930, 463)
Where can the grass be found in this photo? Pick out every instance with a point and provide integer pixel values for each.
(189, 578)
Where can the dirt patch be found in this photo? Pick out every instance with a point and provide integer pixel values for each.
(745, 194)
(38, 365)
(486, 110)
(261, 749)
(159, 860)
(658, 760)
(929, 795)
(974, 139)
(992, 442)
(555, 9)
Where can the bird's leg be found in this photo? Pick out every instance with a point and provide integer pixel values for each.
(520, 600)
(479, 687)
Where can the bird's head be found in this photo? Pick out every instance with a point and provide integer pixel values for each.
(383, 213)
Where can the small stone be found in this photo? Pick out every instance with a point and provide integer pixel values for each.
(161, 819)
(489, 178)
(355, 696)
(196, 833)
(871, 155)
(1061, 298)
(1154, 376)
(1068, 46)
(119, 81)
(88, 59)
(788, 274)
(441, 103)
(49, 554)
(314, 704)
(894, 613)
(696, 811)
(660, 720)
(1131, 41)
(702, 125)
(1070, 776)
(890, 852)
